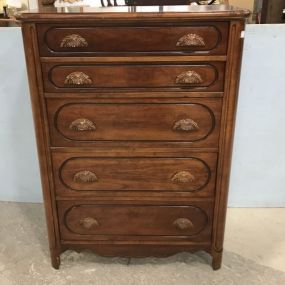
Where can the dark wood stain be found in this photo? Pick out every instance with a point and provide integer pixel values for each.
(134, 163)
(140, 40)
(113, 77)
(135, 174)
(134, 122)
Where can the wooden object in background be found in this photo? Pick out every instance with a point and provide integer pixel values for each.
(270, 11)
(110, 3)
(134, 118)
(4, 20)
(47, 2)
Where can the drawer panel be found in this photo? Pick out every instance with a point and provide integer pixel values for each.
(79, 174)
(118, 77)
(74, 122)
(209, 38)
(87, 221)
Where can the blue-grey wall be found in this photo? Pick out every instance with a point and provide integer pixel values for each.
(258, 161)
(258, 169)
(19, 174)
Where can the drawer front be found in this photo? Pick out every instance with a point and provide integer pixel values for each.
(118, 77)
(86, 221)
(197, 39)
(79, 174)
(74, 123)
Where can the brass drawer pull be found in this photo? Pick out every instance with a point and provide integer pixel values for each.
(73, 41)
(85, 176)
(183, 177)
(77, 78)
(189, 77)
(183, 224)
(89, 223)
(82, 125)
(191, 40)
(185, 125)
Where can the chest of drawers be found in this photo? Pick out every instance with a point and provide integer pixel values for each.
(134, 112)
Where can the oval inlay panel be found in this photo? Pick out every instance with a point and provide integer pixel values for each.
(138, 122)
(87, 78)
(195, 38)
(136, 220)
(138, 174)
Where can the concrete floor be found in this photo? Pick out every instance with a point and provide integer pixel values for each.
(254, 255)
(257, 234)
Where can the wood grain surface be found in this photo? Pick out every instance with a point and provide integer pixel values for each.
(134, 112)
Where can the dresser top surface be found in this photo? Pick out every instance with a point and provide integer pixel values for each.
(134, 12)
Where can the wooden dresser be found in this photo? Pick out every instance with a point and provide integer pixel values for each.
(134, 111)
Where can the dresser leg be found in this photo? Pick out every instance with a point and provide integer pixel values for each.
(217, 259)
(55, 260)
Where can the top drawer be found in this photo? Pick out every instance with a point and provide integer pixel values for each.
(197, 38)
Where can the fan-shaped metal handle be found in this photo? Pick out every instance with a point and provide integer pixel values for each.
(77, 78)
(183, 224)
(185, 125)
(89, 223)
(82, 124)
(189, 77)
(191, 40)
(85, 176)
(73, 41)
(183, 177)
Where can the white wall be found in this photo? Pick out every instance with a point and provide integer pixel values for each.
(258, 162)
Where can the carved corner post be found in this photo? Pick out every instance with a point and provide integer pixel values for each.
(226, 138)
(38, 107)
